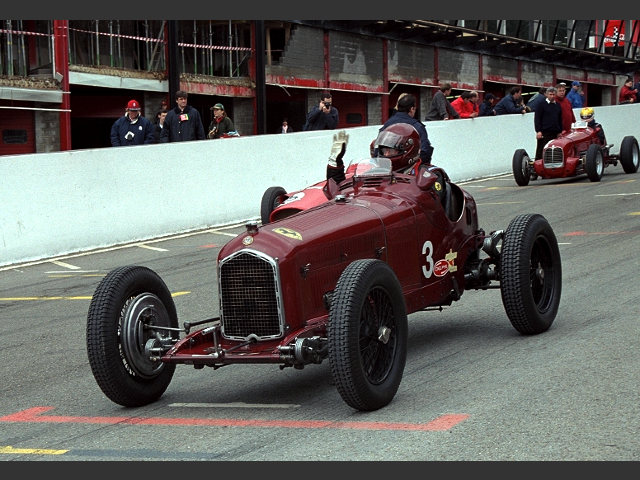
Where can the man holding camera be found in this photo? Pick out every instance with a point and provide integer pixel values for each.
(324, 116)
(132, 128)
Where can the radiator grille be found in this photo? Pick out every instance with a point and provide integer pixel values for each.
(553, 157)
(250, 297)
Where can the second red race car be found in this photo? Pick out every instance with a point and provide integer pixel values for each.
(582, 150)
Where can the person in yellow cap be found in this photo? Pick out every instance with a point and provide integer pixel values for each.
(221, 123)
(132, 128)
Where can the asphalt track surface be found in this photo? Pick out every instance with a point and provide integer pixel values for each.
(473, 388)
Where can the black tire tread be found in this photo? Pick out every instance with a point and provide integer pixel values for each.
(629, 151)
(102, 342)
(523, 313)
(343, 335)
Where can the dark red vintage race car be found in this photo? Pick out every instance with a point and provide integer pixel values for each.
(577, 152)
(335, 282)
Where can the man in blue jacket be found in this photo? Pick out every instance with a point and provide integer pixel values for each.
(511, 103)
(132, 128)
(406, 114)
(182, 123)
(324, 116)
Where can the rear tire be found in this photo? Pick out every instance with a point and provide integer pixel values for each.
(594, 163)
(530, 274)
(521, 165)
(629, 156)
(125, 300)
(367, 334)
(271, 199)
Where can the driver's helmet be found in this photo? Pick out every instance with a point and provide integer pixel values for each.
(400, 143)
(586, 113)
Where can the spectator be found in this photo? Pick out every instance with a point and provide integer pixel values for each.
(511, 102)
(576, 95)
(183, 122)
(474, 101)
(407, 106)
(627, 92)
(323, 116)
(132, 128)
(636, 87)
(159, 123)
(441, 108)
(464, 105)
(399, 97)
(537, 99)
(221, 123)
(486, 107)
(567, 112)
(285, 128)
(547, 120)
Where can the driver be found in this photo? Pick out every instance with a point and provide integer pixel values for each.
(399, 142)
(587, 114)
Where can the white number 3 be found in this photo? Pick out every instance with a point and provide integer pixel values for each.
(427, 251)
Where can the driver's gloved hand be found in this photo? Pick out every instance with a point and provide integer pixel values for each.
(338, 148)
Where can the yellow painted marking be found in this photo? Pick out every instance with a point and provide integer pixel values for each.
(634, 213)
(33, 451)
(26, 299)
(65, 265)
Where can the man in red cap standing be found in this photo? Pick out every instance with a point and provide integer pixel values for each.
(132, 128)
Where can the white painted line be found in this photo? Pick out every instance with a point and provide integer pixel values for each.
(235, 405)
(66, 271)
(65, 265)
(617, 194)
(157, 249)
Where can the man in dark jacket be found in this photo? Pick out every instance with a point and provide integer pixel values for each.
(547, 120)
(441, 108)
(511, 102)
(182, 123)
(405, 114)
(132, 128)
(323, 116)
(487, 106)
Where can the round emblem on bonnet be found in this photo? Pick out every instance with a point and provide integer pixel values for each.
(438, 186)
(248, 240)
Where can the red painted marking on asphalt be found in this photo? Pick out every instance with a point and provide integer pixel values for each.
(579, 233)
(442, 423)
(211, 245)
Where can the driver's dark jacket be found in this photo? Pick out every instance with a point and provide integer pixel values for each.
(182, 126)
(426, 149)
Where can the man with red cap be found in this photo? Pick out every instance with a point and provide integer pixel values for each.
(132, 128)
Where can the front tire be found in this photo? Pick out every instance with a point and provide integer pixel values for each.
(594, 163)
(530, 274)
(127, 299)
(271, 199)
(521, 164)
(367, 334)
(629, 154)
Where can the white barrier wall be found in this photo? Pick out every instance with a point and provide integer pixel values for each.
(53, 204)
